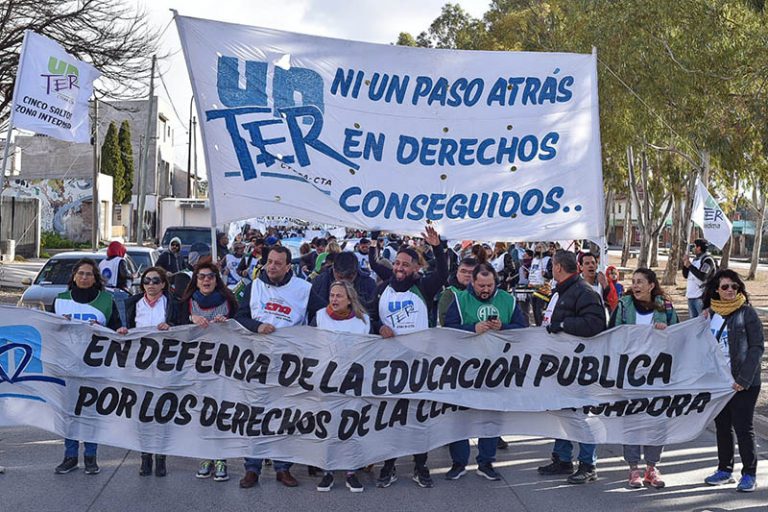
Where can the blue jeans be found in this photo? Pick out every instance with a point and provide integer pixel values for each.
(119, 296)
(564, 451)
(695, 307)
(255, 465)
(486, 451)
(72, 448)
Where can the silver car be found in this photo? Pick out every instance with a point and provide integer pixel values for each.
(54, 276)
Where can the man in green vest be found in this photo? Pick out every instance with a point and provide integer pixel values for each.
(456, 283)
(482, 307)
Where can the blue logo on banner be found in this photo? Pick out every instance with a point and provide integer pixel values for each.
(20, 359)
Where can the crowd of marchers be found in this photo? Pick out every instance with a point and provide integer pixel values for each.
(392, 286)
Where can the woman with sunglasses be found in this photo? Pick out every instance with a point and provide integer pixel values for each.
(344, 313)
(85, 300)
(153, 307)
(646, 305)
(207, 300)
(739, 333)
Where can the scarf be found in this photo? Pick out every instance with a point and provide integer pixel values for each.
(152, 303)
(725, 308)
(339, 316)
(216, 298)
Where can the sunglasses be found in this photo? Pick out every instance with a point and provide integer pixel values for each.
(732, 286)
(207, 275)
(152, 280)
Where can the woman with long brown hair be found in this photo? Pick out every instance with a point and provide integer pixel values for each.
(207, 300)
(647, 304)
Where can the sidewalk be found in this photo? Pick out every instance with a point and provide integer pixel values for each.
(29, 483)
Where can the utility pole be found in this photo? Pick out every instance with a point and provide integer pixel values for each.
(189, 155)
(96, 171)
(194, 146)
(141, 191)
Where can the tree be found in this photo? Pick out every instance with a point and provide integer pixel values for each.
(112, 35)
(126, 154)
(112, 163)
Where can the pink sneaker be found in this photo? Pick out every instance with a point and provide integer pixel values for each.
(653, 478)
(635, 478)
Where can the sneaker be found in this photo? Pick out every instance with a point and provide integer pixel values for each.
(457, 471)
(387, 477)
(220, 473)
(67, 465)
(422, 478)
(326, 483)
(635, 478)
(585, 474)
(719, 478)
(748, 483)
(501, 444)
(487, 471)
(353, 484)
(146, 465)
(206, 469)
(160, 469)
(91, 467)
(556, 467)
(653, 478)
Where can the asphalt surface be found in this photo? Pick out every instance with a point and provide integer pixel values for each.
(29, 483)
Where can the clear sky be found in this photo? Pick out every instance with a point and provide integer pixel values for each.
(376, 21)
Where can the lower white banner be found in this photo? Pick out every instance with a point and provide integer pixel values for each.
(341, 401)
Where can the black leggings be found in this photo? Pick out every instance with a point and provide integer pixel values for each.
(737, 416)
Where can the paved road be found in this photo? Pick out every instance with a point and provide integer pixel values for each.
(30, 484)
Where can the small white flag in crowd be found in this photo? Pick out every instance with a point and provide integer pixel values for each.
(708, 215)
(52, 91)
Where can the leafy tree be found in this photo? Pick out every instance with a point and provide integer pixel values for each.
(112, 35)
(112, 163)
(126, 154)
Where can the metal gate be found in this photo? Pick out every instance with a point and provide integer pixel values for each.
(20, 221)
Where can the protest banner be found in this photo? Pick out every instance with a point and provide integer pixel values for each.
(708, 215)
(52, 91)
(342, 401)
(484, 145)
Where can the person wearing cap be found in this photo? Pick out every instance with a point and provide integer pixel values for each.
(363, 248)
(170, 260)
(403, 305)
(697, 271)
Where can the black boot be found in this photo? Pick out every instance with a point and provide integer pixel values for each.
(146, 464)
(160, 465)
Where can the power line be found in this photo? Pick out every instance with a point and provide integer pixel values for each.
(170, 99)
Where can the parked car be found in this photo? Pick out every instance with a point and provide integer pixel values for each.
(143, 257)
(54, 276)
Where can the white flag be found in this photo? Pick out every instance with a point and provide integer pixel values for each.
(52, 91)
(710, 217)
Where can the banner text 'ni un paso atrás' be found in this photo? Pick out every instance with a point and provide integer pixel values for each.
(485, 145)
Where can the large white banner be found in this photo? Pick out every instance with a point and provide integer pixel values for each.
(710, 217)
(485, 145)
(52, 90)
(342, 401)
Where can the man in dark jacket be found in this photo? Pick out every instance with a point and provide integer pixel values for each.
(345, 268)
(403, 304)
(171, 260)
(576, 309)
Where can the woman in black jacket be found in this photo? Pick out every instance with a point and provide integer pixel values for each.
(153, 307)
(739, 333)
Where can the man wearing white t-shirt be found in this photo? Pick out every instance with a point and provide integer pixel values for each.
(274, 300)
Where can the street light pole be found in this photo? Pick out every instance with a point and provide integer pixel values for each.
(189, 155)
